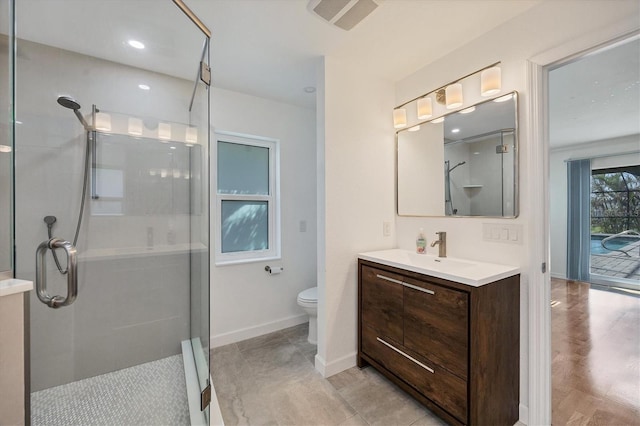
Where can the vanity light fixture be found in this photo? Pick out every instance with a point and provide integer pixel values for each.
(450, 95)
(414, 128)
(490, 81)
(103, 121)
(399, 118)
(425, 108)
(164, 131)
(191, 135)
(453, 95)
(135, 126)
(437, 120)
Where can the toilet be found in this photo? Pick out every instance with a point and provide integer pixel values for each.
(308, 301)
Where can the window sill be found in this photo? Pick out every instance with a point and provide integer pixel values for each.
(243, 261)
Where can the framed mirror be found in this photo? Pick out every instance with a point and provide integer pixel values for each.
(463, 166)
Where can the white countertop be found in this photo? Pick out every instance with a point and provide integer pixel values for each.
(13, 286)
(469, 272)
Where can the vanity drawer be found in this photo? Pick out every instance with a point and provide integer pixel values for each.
(434, 382)
(381, 302)
(437, 325)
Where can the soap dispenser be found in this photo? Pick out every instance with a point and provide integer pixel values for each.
(421, 243)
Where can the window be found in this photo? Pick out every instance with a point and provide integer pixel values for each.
(247, 202)
(615, 200)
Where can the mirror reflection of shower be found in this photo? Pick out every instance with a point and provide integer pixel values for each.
(448, 203)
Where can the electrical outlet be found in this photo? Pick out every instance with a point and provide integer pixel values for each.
(386, 229)
(303, 226)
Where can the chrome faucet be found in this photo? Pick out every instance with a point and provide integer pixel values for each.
(442, 244)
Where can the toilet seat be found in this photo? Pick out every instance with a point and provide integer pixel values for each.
(308, 296)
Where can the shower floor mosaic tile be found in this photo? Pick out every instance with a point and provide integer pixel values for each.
(148, 394)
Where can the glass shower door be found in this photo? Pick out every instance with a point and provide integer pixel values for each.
(90, 98)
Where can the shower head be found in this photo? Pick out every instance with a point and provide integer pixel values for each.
(459, 164)
(71, 103)
(68, 102)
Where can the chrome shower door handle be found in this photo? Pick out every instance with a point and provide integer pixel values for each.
(41, 273)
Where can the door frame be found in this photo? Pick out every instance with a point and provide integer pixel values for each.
(539, 288)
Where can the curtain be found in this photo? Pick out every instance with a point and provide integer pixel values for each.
(578, 219)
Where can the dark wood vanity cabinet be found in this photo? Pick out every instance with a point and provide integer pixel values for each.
(453, 347)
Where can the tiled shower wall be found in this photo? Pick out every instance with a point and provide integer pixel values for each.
(133, 300)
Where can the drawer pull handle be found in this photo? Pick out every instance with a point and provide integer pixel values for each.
(430, 370)
(415, 287)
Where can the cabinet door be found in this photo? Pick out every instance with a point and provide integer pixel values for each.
(445, 389)
(437, 325)
(382, 302)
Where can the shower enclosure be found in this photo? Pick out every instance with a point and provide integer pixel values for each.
(111, 209)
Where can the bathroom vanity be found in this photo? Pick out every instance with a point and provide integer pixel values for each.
(444, 330)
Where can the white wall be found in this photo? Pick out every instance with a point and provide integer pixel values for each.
(356, 197)
(558, 187)
(540, 29)
(245, 300)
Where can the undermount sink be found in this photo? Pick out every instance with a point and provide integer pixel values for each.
(464, 271)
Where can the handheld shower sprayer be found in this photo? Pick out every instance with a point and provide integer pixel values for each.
(71, 103)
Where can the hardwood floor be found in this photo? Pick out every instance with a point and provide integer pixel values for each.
(595, 356)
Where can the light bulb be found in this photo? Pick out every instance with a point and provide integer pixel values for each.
(103, 121)
(425, 108)
(164, 131)
(399, 118)
(490, 81)
(135, 126)
(453, 93)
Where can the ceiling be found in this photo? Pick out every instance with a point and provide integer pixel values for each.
(271, 48)
(596, 97)
(268, 48)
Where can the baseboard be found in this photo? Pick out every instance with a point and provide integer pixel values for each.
(524, 414)
(335, 367)
(255, 331)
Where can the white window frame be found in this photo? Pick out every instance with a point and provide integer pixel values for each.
(273, 200)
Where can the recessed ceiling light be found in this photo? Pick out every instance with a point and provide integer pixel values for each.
(309, 89)
(136, 44)
(144, 87)
(456, 130)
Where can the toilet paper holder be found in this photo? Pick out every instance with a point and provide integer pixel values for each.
(273, 270)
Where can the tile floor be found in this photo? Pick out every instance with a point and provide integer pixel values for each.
(153, 393)
(271, 380)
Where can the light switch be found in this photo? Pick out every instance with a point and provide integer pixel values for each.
(303, 226)
(495, 233)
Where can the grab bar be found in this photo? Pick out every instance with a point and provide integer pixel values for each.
(41, 273)
(628, 232)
